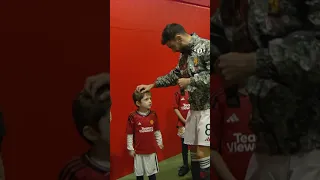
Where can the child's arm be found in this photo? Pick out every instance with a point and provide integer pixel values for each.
(220, 166)
(158, 136)
(179, 116)
(130, 130)
(157, 132)
(176, 100)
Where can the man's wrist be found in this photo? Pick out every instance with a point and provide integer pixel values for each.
(263, 65)
(191, 81)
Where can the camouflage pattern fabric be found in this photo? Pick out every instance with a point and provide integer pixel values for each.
(196, 66)
(285, 92)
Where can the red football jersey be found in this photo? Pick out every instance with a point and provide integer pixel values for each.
(143, 127)
(231, 134)
(182, 104)
(83, 168)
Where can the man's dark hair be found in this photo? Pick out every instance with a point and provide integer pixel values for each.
(138, 96)
(88, 111)
(170, 32)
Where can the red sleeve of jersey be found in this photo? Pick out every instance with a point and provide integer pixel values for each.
(217, 124)
(130, 124)
(156, 122)
(176, 99)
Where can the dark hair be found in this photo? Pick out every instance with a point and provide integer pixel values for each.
(138, 96)
(87, 111)
(170, 32)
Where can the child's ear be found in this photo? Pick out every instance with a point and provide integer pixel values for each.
(90, 133)
(138, 103)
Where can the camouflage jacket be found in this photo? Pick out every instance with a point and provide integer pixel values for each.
(195, 66)
(285, 91)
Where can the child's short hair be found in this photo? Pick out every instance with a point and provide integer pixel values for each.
(87, 111)
(138, 96)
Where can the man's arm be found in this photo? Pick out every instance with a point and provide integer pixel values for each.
(168, 80)
(294, 58)
(219, 43)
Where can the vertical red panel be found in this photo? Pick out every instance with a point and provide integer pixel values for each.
(47, 48)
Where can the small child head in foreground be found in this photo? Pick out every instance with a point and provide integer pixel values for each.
(92, 119)
(142, 100)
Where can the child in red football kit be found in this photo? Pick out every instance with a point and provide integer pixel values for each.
(232, 142)
(92, 118)
(181, 107)
(142, 134)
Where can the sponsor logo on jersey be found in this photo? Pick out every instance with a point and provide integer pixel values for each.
(182, 99)
(139, 123)
(233, 119)
(146, 129)
(242, 143)
(151, 122)
(185, 106)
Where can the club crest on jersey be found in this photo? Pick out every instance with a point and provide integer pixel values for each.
(274, 6)
(151, 122)
(195, 61)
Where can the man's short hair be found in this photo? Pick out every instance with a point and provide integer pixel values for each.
(170, 32)
(88, 111)
(138, 96)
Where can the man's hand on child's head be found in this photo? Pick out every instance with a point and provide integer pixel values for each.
(161, 146)
(96, 82)
(132, 153)
(144, 88)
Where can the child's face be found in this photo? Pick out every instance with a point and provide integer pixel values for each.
(145, 102)
(104, 127)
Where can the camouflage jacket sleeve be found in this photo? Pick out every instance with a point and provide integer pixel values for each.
(168, 80)
(295, 57)
(202, 80)
(219, 43)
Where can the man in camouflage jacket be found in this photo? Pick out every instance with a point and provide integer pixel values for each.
(192, 73)
(276, 45)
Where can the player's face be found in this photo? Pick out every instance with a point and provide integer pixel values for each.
(176, 44)
(146, 101)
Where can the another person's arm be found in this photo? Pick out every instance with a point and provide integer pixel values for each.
(96, 82)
